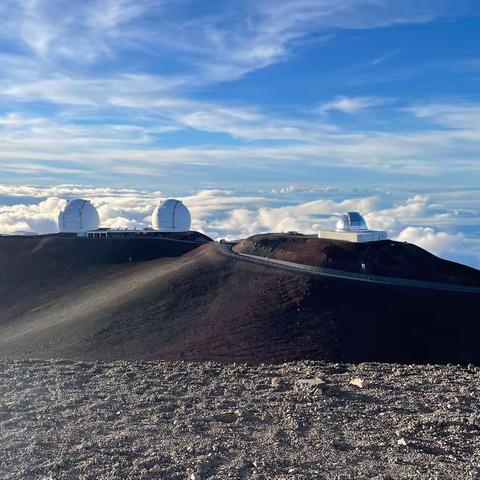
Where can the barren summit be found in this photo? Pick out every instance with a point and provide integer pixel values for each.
(61, 299)
(385, 258)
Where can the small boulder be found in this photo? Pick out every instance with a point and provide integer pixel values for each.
(402, 442)
(359, 382)
(474, 420)
(276, 382)
(314, 385)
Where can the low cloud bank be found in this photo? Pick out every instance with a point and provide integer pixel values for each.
(417, 219)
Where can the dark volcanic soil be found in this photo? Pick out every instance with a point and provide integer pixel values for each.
(206, 306)
(159, 420)
(388, 258)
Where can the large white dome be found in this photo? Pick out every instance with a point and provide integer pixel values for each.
(79, 216)
(351, 222)
(171, 216)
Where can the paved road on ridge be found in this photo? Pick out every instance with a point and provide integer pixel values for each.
(227, 249)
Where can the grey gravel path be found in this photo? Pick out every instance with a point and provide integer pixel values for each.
(161, 420)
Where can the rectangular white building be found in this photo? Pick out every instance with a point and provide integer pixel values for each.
(358, 237)
(352, 227)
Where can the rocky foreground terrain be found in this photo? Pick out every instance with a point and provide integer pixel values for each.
(178, 420)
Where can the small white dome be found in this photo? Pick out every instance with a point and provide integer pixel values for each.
(171, 216)
(79, 216)
(351, 222)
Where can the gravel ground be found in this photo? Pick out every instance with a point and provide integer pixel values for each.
(178, 420)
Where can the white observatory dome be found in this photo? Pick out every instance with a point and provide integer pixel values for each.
(171, 216)
(351, 222)
(79, 216)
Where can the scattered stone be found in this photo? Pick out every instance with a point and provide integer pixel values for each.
(400, 428)
(402, 442)
(475, 473)
(314, 385)
(474, 420)
(276, 382)
(471, 367)
(359, 382)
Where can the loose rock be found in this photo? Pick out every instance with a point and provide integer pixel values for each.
(182, 421)
(359, 382)
(402, 442)
(314, 385)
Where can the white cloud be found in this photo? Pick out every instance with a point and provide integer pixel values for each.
(434, 241)
(462, 117)
(350, 104)
(228, 214)
(131, 110)
(451, 246)
(81, 31)
(245, 124)
(383, 58)
(39, 218)
(224, 43)
(38, 143)
(415, 209)
(121, 90)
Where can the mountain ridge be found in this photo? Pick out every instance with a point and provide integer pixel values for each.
(202, 305)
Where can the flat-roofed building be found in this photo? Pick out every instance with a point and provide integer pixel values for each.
(352, 227)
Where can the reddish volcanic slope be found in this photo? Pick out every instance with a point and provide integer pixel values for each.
(60, 300)
(387, 258)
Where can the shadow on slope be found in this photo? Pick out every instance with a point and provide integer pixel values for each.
(205, 306)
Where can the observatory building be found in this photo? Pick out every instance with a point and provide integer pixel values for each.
(171, 216)
(352, 227)
(79, 216)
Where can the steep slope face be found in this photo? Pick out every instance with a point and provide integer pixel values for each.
(206, 306)
(388, 258)
(38, 269)
(201, 305)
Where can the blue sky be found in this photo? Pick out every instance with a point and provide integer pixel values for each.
(187, 95)
(262, 114)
